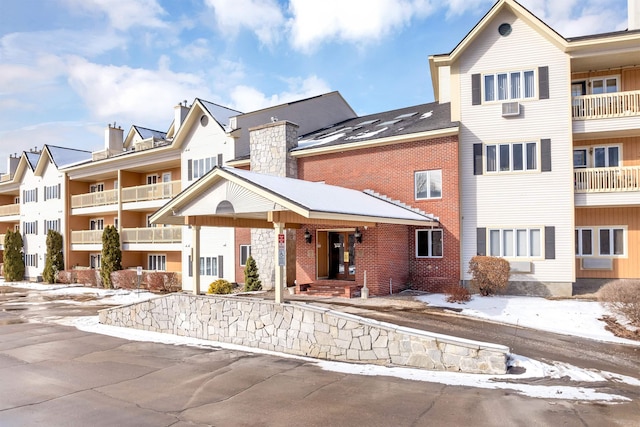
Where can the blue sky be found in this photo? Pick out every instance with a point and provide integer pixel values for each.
(69, 67)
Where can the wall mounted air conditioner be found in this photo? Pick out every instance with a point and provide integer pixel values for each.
(510, 109)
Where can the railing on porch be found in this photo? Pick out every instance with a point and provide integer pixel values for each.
(162, 190)
(13, 209)
(98, 198)
(606, 105)
(601, 180)
(86, 237)
(152, 235)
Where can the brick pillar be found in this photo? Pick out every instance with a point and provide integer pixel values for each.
(270, 147)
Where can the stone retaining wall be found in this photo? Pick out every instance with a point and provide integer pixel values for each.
(305, 330)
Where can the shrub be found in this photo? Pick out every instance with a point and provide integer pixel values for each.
(125, 279)
(54, 261)
(220, 286)
(67, 277)
(88, 277)
(456, 293)
(111, 255)
(622, 298)
(251, 276)
(488, 274)
(163, 281)
(13, 262)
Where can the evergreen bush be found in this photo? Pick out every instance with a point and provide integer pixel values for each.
(220, 286)
(111, 255)
(13, 261)
(54, 262)
(251, 276)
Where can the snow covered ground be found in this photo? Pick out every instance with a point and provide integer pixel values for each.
(572, 317)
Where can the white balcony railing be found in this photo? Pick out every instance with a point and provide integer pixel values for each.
(141, 193)
(606, 105)
(86, 237)
(152, 235)
(98, 198)
(7, 210)
(605, 180)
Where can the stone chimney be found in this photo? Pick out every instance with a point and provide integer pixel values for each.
(633, 15)
(270, 147)
(181, 111)
(113, 138)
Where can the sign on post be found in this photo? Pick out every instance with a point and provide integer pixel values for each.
(139, 273)
(282, 251)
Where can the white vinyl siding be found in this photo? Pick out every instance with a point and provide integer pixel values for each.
(510, 200)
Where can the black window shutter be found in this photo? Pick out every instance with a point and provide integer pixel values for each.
(190, 169)
(543, 82)
(477, 159)
(481, 239)
(59, 191)
(476, 89)
(549, 243)
(190, 272)
(220, 160)
(545, 155)
(220, 264)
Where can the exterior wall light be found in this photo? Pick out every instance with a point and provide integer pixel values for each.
(358, 235)
(307, 236)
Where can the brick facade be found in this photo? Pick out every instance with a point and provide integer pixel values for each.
(388, 251)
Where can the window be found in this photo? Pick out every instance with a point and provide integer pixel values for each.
(30, 196)
(508, 86)
(31, 260)
(96, 224)
(428, 184)
(245, 253)
(580, 158)
(152, 179)
(209, 266)
(52, 192)
(95, 261)
(604, 157)
(611, 241)
(95, 188)
(53, 224)
(199, 167)
(157, 262)
(30, 227)
(429, 243)
(604, 85)
(515, 242)
(512, 157)
(584, 242)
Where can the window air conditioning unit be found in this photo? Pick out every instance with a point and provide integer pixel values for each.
(510, 109)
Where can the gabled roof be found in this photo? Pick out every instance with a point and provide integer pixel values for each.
(146, 133)
(219, 113)
(60, 157)
(259, 200)
(389, 126)
(32, 159)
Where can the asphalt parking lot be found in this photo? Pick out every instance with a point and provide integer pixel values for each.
(55, 375)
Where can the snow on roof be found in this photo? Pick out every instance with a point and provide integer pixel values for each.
(67, 156)
(220, 113)
(146, 133)
(319, 197)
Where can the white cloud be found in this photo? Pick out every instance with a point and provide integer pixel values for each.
(246, 98)
(138, 95)
(355, 21)
(124, 14)
(197, 50)
(263, 17)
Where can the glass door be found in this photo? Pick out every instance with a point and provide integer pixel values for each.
(342, 257)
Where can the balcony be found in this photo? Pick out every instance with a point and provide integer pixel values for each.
(98, 198)
(606, 105)
(154, 235)
(147, 235)
(9, 210)
(143, 193)
(617, 186)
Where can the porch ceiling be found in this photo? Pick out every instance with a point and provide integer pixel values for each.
(229, 197)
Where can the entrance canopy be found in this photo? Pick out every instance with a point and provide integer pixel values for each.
(230, 197)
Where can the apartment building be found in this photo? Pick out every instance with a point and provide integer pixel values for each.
(548, 148)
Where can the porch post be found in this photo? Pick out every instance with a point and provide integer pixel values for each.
(195, 258)
(279, 276)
